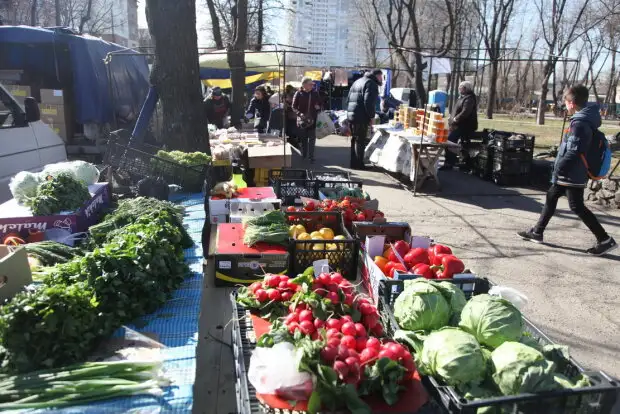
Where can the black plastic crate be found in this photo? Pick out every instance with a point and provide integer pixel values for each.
(483, 163)
(290, 190)
(512, 163)
(329, 175)
(302, 253)
(512, 141)
(279, 173)
(139, 164)
(597, 399)
(321, 184)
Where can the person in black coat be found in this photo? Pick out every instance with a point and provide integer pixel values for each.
(307, 104)
(217, 107)
(463, 122)
(260, 109)
(361, 109)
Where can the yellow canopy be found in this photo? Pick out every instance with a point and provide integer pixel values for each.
(254, 61)
(315, 75)
(226, 83)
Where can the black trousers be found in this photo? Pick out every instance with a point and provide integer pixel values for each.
(577, 206)
(359, 140)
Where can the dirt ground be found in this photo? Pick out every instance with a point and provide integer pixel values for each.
(574, 298)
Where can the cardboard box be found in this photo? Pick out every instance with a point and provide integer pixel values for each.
(18, 219)
(251, 197)
(53, 114)
(14, 271)
(269, 157)
(20, 92)
(52, 97)
(236, 263)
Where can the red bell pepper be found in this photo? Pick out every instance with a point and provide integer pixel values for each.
(388, 268)
(450, 266)
(436, 260)
(397, 267)
(415, 256)
(436, 249)
(424, 270)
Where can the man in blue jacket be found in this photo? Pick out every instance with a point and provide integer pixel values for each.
(570, 172)
(361, 109)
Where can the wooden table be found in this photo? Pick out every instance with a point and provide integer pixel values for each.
(419, 161)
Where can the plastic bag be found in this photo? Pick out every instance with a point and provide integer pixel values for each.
(324, 125)
(514, 296)
(274, 371)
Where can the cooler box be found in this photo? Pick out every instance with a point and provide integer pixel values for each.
(440, 98)
(236, 263)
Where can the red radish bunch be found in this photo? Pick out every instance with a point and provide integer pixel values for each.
(352, 209)
(277, 288)
(330, 286)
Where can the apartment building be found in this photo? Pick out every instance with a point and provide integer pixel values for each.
(121, 21)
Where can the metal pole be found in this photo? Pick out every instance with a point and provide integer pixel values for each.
(283, 112)
(417, 161)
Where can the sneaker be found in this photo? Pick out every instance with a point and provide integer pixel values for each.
(531, 235)
(603, 247)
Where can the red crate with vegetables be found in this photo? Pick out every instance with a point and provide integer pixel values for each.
(352, 209)
(338, 340)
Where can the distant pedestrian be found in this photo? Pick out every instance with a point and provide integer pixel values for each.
(307, 104)
(463, 122)
(570, 172)
(361, 109)
(217, 107)
(259, 109)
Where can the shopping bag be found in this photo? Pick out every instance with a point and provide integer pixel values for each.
(324, 125)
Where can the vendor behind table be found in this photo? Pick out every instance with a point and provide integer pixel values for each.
(259, 109)
(464, 121)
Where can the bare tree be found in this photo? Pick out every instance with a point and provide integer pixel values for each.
(175, 73)
(33, 13)
(560, 28)
(371, 30)
(494, 17)
(215, 25)
(236, 59)
(401, 27)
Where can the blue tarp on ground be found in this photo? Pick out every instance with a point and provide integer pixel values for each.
(58, 59)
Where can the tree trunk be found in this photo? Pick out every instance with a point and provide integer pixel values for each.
(215, 25)
(540, 115)
(86, 16)
(175, 73)
(419, 79)
(57, 12)
(260, 27)
(33, 13)
(492, 88)
(236, 61)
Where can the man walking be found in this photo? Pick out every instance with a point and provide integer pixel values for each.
(570, 172)
(361, 109)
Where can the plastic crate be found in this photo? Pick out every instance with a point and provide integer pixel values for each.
(261, 177)
(139, 164)
(512, 141)
(278, 173)
(302, 254)
(597, 399)
(511, 168)
(290, 190)
(392, 231)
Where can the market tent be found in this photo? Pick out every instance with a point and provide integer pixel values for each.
(59, 59)
(254, 61)
(225, 83)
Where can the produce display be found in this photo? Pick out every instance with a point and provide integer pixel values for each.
(338, 336)
(49, 253)
(58, 193)
(270, 227)
(187, 159)
(135, 263)
(81, 384)
(340, 192)
(24, 184)
(479, 346)
(352, 209)
(436, 262)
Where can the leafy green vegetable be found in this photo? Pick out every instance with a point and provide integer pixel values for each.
(187, 159)
(492, 320)
(270, 227)
(80, 170)
(50, 327)
(60, 193)
(384, 377)
(50, 252)
(24, 185)
(521, 369)
(421, 307)
(454, 356)
(271, 217)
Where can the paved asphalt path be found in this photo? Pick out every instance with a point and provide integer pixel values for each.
(573, 297)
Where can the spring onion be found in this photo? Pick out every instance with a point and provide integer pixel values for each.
(81, 384)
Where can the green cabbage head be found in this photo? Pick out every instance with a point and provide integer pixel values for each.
(454, 356)
(421, 307)
(492, 320)
(522, 369)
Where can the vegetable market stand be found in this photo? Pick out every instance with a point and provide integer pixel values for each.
(398, 151)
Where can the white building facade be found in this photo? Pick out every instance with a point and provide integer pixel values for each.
(329, 27)
(121, 21)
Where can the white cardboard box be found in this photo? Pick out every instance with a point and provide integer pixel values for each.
(217, 219)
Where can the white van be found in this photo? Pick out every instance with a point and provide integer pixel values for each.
(26, 143)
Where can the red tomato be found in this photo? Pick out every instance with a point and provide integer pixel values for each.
(291, 209)
(310, 206)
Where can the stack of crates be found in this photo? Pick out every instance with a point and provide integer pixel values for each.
(406, 116)
(506, 158)
(431, 124)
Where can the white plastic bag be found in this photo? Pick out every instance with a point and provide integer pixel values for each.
(512, 295)
(274, 371)
(324, 125)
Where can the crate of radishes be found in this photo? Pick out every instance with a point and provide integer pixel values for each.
(320, 347)
(478, 353)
